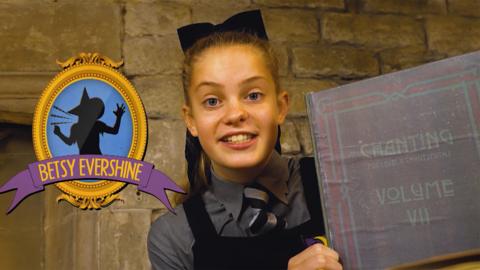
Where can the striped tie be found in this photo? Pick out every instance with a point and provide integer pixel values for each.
(262, 220)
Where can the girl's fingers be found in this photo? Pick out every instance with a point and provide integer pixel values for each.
(332, 264)
(314, 257)
(317, 262)
(330, 253)
(321, 249)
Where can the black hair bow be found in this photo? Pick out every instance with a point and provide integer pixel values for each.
(249, 22)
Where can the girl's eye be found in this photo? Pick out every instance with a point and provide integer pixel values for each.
(254, 96)
(211, 102)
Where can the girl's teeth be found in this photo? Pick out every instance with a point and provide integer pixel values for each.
(238, 138)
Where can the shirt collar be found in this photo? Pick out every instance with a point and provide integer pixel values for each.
(274, 177)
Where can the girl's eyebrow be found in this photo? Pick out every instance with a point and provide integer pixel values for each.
(252, 79)
(208, 83)
(218, 85)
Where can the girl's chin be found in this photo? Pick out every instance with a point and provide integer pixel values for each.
(246, 163)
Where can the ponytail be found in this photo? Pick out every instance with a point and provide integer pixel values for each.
(198, 164)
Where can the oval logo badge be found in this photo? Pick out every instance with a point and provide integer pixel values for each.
(90, 135)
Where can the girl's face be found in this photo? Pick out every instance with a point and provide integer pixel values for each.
(234, 109)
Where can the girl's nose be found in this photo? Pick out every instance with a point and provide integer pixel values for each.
(235, 114)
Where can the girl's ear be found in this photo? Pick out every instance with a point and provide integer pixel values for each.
(189, 121)
(283, 105)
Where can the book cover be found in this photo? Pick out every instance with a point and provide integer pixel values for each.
(464, 260)
(398, 160)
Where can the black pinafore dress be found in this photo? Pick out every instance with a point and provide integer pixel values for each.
(268, 251)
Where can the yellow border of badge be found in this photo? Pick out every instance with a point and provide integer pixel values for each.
(90, 66)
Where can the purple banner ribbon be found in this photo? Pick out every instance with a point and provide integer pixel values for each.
(67, 168)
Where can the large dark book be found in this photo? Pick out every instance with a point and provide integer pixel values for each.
(398, 160)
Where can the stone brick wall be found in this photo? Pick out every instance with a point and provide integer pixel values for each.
(320, 43)
(25, 225)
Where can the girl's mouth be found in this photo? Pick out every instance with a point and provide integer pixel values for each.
(238, 138)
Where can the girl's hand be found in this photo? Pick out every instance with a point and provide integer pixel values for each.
(315, 257)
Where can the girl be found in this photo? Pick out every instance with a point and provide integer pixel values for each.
(247, 208)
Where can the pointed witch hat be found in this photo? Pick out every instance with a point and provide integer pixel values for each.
(88, 106)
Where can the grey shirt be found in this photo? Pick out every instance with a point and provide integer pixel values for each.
(170, 239)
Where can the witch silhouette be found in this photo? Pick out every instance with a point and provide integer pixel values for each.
(86, 132)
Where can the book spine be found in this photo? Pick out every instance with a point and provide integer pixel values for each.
(310, 104)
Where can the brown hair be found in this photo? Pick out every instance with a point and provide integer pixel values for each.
(197, 161)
